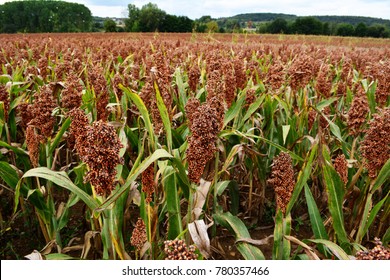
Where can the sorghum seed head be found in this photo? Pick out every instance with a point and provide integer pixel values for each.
(177, 250)
(341, 166)
(138, 237)
(282, 179)
(375, 146)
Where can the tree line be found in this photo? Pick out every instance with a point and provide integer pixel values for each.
(313, 26)
(44, 16)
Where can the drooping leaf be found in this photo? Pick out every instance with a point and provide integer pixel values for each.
(238, 228)
(61, 179)
(134, 173)
(143, 110)
(333, 247)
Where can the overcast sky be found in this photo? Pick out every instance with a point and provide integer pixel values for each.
(222, 8)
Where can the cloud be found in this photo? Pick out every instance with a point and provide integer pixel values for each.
(222, 8)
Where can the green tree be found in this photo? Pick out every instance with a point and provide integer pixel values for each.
(345, 29)
(44, 16)
(132, 22)
(279, 25)
(212, 26)
(378, 31)
(151, 18)
(361, 30)
(307, 25)
(109, 25)
(232, 24)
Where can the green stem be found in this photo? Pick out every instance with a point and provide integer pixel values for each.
(214, 227)
(189, 211)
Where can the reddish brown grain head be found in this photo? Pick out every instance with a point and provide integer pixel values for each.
(178, 250)
(148, 185)
(204, 123)
(72, 93)
(282, 180)
(41, 112)
(379, 252)
(32, 141)
(193, 77)
(98, 146)
(341, 166)
(375, 146)
(4, 98)
(138, 237)
(357, 112)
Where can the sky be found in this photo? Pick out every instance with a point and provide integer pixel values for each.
(223, 8)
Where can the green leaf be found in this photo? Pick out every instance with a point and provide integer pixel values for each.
(286, 242)
(303, 176)
(143, 110)
(386, 238)
(234, 195)
(229, 159)
(61, 179)
(181, 90)
(238, 228)
(277, 252)
(173, 203)
(2, 114)
(335, 190)
(368, 216)
(134, 173)
(64, 218)
(9, 175)
(325, 103)
(234, 110)
(384, 174)
(371, 97)
(16, 150)
(334, 128)
(221, 186)
(253, 108)
(334, 248)
(285, 130)
(315, 219)
(236, 132)
(178, 165)
(58, 137)
(57, 256)
(164, 116)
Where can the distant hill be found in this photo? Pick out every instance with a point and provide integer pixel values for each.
(260, 17)
(265, 17)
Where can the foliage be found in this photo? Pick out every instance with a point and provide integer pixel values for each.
(316, 25)
(153, 138)
(150, 18)
(44, 16)
(109, 25)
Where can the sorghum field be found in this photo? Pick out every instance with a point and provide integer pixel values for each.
(189, 146)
